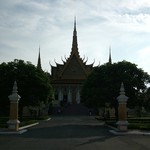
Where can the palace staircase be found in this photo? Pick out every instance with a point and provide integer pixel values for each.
(74, 109)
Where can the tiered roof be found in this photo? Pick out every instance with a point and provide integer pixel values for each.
(74, 67)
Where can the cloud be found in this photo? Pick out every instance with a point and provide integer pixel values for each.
(26, 24)
(134, 4)
(143, 56)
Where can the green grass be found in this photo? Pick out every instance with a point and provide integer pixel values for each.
(134, 123)
(25, 121)
(139, 126)
(43, 118)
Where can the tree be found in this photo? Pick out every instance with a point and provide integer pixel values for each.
(33, 84)
(103, 84)
(146, 97)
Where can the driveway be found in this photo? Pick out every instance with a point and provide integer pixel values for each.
(72, 133)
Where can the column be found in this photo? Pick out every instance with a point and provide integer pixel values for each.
(13, 123)
(60, 95)
(69, 96)
(122, 110)
(78, 96)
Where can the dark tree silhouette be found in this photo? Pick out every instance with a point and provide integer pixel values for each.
(103, 84)
(33, 85)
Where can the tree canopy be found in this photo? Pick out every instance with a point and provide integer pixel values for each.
(33, 84)
(103, 84)
(146, 97)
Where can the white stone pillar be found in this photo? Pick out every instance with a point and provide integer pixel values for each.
(13, 123)
(78, 96)
(122, 110)
(69, 96)
(60, 95)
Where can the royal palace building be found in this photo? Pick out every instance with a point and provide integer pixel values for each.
(68, 78)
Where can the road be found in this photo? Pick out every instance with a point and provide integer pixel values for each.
(72, 133)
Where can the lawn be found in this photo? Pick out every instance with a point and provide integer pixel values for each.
(25, 121)
(134, 123)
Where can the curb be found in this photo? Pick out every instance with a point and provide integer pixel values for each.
(21, 129)
(28, 126)
(134, 132)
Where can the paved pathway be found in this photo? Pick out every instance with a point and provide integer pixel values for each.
(72, 133)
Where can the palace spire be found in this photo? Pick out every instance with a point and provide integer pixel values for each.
(74, 41)
(110, 60)
(39, 61)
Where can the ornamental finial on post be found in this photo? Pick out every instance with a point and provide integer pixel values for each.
(14, 96)
(122, 97)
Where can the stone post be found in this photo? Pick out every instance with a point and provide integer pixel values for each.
(122, 110)
(13, 123)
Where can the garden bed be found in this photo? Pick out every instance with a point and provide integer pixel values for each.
(25, 121)
(134, 123)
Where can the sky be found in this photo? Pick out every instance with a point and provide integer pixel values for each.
(123, 25)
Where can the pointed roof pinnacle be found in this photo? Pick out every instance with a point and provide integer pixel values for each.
(110, 60)
(74, 41)
(75, 25)
(39, 60)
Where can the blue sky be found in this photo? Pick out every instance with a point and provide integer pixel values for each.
(123, 24)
